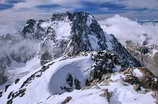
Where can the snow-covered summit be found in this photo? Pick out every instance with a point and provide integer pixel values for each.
(71, 33)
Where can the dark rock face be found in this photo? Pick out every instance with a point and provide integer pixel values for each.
(29, 28)
(85, 35)
(105, 62)
(82, 32)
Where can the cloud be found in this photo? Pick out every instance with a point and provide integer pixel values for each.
(47, 6)
(14, 1)
(5, 6)
(151, 4)
(127, 29)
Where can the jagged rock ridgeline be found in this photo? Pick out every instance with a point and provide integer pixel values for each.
(73, 32)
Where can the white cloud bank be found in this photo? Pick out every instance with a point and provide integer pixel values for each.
(126, 29)
(71, 3)
(140, 3)
(10, 19)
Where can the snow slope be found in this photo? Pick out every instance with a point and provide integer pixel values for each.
(42, 85)
(46, 86)
(120, 94)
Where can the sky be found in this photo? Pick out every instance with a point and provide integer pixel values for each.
(14, 12)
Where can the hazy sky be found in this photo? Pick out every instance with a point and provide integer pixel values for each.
(16, 11)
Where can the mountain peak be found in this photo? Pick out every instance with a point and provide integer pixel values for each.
(73, 32)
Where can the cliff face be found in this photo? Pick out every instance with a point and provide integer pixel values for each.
(72, 33)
